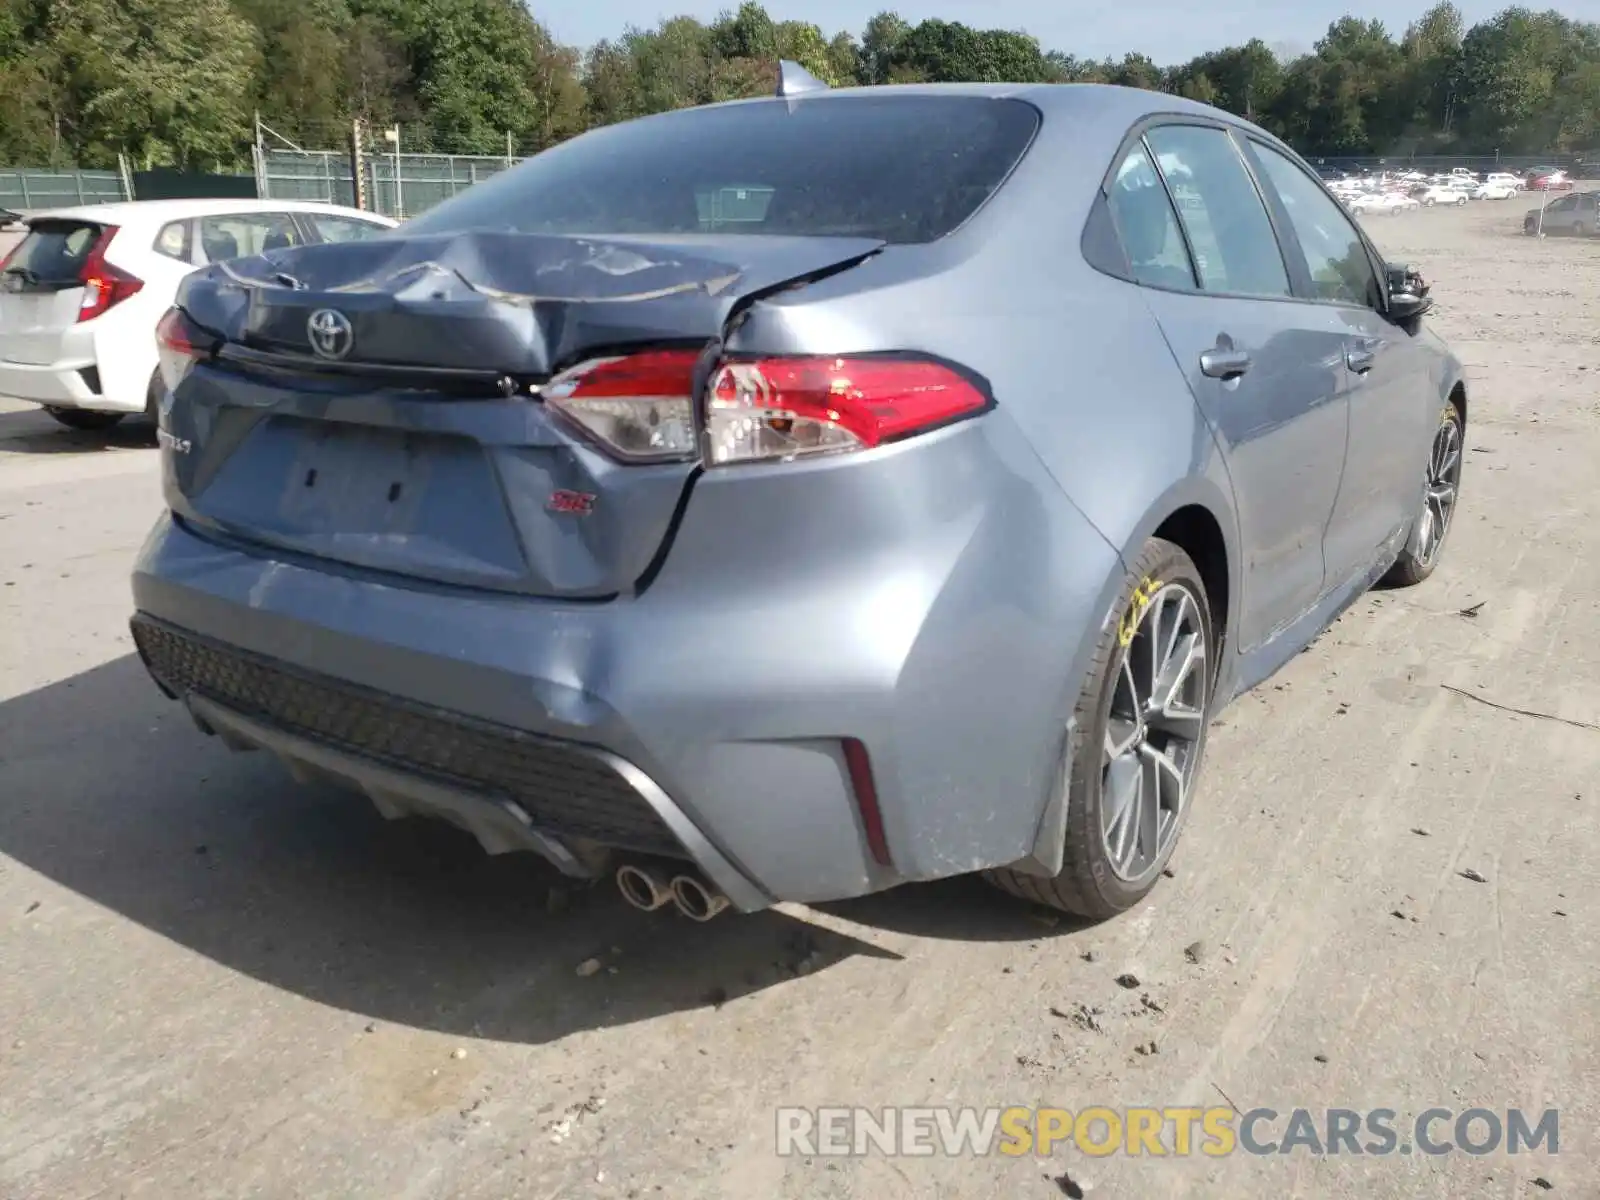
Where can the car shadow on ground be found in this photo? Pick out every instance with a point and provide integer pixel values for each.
(962, 909)
(112, 793)
(34, 431)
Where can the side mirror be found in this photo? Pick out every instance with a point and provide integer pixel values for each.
(1408, 293)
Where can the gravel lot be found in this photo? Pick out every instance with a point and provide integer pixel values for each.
(213, 983)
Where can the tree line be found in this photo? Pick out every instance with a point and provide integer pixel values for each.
(184, 82)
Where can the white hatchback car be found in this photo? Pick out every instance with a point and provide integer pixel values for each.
(1384, 202)
(1445, 193)
(1493, 189)
(82, 291)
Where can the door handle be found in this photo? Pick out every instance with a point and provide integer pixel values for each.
(1359, 359)
(1224, 364)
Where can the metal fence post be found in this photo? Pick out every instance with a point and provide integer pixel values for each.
(358, 176)
(399, 196)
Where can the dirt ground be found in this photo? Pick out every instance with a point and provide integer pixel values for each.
(216, 984)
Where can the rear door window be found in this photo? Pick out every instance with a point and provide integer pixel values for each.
(900, 168)
(1235, 248)
(244, 235)
(1147, 225)
(342, 229)
(50, 255)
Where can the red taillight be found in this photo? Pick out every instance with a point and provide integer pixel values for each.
(783, 407)
(180, 343)
(859, 766)
(640, 406)
(104, 285)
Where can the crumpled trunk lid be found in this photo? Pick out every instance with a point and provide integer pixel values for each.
(402, 436)
(518, 304)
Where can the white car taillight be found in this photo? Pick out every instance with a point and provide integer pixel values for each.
(640, 407)
(104, 285)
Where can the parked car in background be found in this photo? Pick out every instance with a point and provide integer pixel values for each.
(13, 225)
(1443, 193)
(1491, 189)
(703, 500)
(1507, 179)
(1577, 214)
(1549, 181)
(83, 288)
(1384, 202)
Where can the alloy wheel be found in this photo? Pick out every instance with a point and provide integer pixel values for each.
(1153, 733)
(1439, 501)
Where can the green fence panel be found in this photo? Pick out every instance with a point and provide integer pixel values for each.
(33, 188)
(405, 188)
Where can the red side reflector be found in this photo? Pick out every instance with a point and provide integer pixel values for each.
(859, 765)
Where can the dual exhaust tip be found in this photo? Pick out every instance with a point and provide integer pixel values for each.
(648, 889)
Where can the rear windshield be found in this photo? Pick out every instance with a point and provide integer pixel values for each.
(896, 168)
(53, 251)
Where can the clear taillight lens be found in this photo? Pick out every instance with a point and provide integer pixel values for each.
(639, 406)
(781, 408)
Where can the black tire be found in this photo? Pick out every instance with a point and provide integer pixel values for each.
(152, 397)
(1087, 884)
(86, 419)
(1411, 568)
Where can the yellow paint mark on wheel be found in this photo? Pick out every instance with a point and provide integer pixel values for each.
(1138, 605)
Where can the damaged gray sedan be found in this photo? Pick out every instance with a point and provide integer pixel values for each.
(787, 499)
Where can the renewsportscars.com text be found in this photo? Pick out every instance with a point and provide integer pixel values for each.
(1162, 1131)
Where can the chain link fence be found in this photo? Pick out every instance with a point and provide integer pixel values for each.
(403, 185)
(1516, 164)
(23, 188)
(397, 185)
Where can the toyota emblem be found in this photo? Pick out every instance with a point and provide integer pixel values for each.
(330, 333)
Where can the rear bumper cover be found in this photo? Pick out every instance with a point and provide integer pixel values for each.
(57, 384)
(498, 784)
(939, 606)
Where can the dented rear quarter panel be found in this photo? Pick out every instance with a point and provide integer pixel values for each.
(1075, 359)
